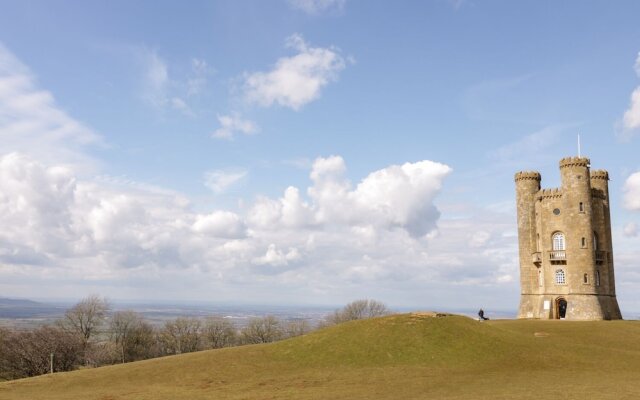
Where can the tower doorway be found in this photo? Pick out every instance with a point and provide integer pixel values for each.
(561, 308)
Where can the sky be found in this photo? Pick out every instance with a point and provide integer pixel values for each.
(303, 152)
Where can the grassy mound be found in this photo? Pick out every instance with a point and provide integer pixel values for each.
(409, 356)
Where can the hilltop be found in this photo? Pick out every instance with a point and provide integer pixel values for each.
(407, 356)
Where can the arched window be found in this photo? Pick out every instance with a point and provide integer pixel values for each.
(595, 241)
(584, 243)
(560, 277)
(558, 241)
(597, 278)
(581, 207)
(585, 278)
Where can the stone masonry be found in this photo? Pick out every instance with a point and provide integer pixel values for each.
(566, 253)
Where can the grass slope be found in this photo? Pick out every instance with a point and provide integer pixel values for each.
(409, 356)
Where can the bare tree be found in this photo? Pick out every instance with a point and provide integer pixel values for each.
(132, 336)
(359, 309)
(219, 332)
(181, 335)
(85, 318)
(297, 327)
(262, 330)
(29, 353)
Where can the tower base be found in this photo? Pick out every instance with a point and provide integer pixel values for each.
(569, 306)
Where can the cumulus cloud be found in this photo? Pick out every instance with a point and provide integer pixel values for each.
(334, 237)
(315, 7)
(64, 231)
(220, 180)
(53, 218)
(31, 121)
(275, 257)
(297, 80)
(631, 117)
(394, 197)
(632, 192)
(220, 224)
(230, 125)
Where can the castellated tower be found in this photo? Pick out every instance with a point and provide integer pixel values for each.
(566, 252)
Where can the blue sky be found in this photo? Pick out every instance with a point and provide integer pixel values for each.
(303, 151)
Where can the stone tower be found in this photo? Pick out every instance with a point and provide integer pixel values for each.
(564, 237)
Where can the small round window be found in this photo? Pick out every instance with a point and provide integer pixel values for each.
(556, 211)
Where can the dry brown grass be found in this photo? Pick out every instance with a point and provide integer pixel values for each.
(412, 356)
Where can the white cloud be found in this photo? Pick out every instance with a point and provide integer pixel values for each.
(630, 230)
(631, 117)
(31, 122)
(64, 232)
(220, 180)
(220, 224)
(393, 197)
(297, 80)
(315, 7)
(632, 192)
(278, 258)
(230, 125)
(340, 240)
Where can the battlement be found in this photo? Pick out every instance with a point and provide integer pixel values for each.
(600, 174)
(528, 175)
(549, 193)
(575, 162)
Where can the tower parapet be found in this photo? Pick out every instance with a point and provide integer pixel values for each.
(575, 162)
(528, 175)
(599, 174)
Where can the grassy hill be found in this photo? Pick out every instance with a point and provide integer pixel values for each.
(409, 356)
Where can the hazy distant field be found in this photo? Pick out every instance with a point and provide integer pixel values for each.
(27, 314)
(410, 356)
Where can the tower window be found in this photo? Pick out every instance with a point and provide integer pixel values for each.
(581, 207)
(584, 243)
(560, 278)
(595, 241)
(558, 241)
(585, 278)
(597, 278)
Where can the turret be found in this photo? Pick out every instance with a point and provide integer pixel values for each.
(602, 221)
(527, 185)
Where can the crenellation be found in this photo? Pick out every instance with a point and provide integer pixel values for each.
(527, 175)
(599, 174)
(553, 193)
(575, 162)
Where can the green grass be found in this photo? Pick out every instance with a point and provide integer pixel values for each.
(409, 356)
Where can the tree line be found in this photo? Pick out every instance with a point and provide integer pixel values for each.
(89, 335)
